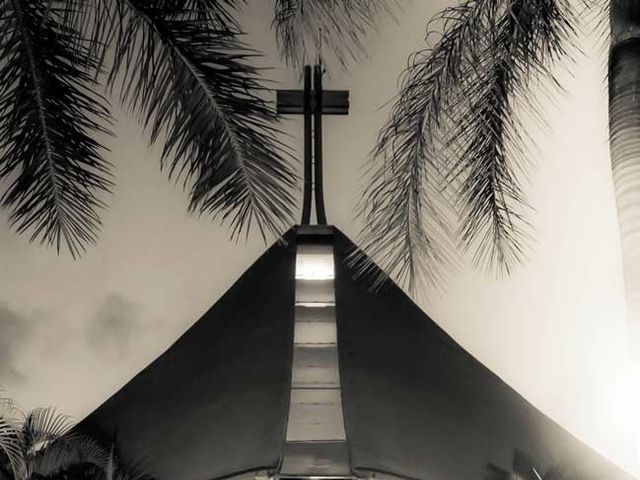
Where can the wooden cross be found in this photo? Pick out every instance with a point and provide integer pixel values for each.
(313, 102)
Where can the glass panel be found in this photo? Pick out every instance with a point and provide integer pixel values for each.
(315, 367)
(314, 314)
(315, 333)
(315, 414)
(314, 262)
(316, 459)
(315, 291)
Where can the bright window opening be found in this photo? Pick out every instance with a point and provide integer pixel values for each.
(314, 262)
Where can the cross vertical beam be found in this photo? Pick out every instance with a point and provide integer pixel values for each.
(308, 179)
(312, 102)
(321, 216)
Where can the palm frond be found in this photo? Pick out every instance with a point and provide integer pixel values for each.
(65, 451)
(220, 15)
(522, 40)
(93, 31)
(411, 240)
(304, 29)
(115, 470)
(598, 14)
(454, 123)
(50, 116)
(11, 444)
(43, 425)
(9, 408)
(42, 443)
(407, 220)
(191, 83)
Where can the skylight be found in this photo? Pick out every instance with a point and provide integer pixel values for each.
(314, 262)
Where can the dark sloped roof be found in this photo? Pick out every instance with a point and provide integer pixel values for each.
(417, 405)
(215, 403)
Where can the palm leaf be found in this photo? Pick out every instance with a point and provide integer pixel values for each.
(115, 470)
(65, 451)
(453, 134)
(304, 29)
(191, 83)
(523, 39)
(407, 227)
(43, 425)
(49, 118)
(41, 443)
(11, 446)
(218, 14)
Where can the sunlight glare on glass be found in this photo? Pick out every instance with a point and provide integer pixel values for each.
(314, 262)
(315, 304)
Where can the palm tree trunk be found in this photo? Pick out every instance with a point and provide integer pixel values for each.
(624, 130)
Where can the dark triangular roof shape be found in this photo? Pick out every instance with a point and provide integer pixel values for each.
(416, 404)
(215, 403)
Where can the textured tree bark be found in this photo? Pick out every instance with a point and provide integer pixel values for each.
(624, 131)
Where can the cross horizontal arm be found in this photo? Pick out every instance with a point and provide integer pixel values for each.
(334, 102)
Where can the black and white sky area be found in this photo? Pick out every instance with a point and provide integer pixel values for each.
(72, 332)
